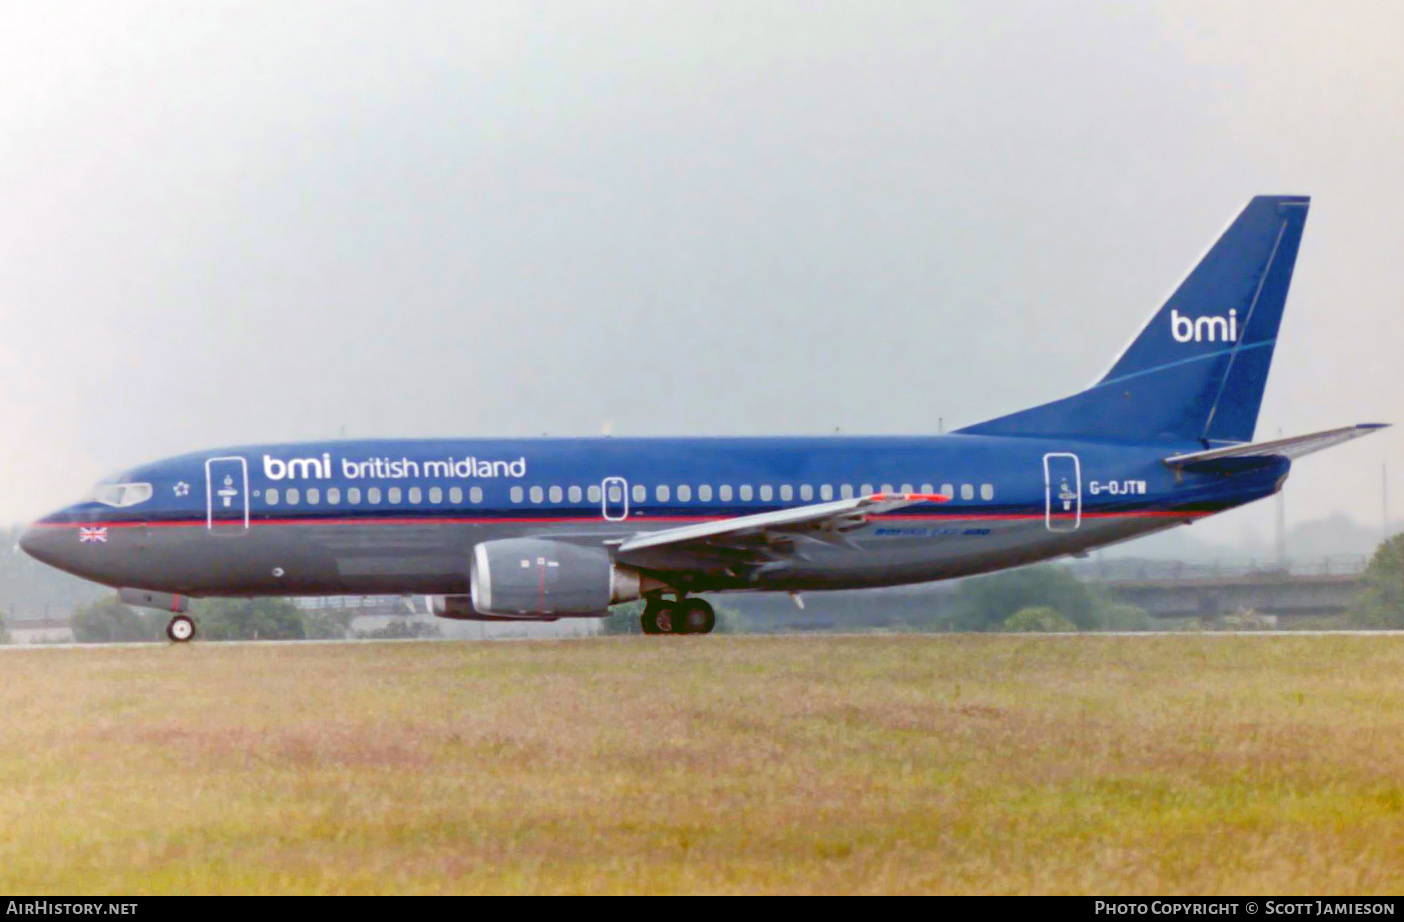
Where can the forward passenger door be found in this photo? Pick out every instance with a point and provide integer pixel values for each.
(614, 499)
(227, 496)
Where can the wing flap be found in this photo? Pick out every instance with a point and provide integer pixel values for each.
(757, 533)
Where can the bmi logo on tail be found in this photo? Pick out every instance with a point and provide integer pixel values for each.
(1204, 329)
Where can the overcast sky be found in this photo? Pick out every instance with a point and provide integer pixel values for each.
(228, 223)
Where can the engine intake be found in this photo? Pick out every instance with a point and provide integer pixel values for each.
(536, 576)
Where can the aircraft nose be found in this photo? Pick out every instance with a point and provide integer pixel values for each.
(40, 543)
(64, 541)
(52, 541)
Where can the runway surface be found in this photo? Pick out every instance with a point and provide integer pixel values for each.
(1068, 635)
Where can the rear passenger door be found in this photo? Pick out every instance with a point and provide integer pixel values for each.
(1062, 491)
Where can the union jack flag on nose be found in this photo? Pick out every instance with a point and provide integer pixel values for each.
(86, 535)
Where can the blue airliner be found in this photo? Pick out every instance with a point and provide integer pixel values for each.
(541, 529)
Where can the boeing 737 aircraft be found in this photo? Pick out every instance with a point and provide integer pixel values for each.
(540, 529)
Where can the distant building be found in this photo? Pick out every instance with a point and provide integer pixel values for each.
(52, 630)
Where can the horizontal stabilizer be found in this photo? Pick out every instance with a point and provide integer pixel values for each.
(1222, 459)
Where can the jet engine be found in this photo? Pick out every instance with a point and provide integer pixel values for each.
(540, 577)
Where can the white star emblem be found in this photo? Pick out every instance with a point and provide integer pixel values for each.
(182, 489)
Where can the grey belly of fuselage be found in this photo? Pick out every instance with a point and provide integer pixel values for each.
(433, 558)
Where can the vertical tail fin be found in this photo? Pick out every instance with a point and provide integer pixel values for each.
(1198, 368)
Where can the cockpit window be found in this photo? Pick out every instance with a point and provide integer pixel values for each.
(121, 494)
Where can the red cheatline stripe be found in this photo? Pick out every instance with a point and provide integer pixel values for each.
(591, 520)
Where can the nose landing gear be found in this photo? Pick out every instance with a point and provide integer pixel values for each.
(684, 616)
(181, 629)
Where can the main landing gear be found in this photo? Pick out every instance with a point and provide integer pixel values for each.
(181, 629)
(684, 616)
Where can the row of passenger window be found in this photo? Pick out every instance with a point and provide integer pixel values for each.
(746, 493)
(313, 496)
(662, 493)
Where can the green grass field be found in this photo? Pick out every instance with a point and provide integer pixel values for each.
(1192, 764)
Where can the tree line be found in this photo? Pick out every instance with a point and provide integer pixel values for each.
(1381, 601)
(1042, 598)
(109, 621)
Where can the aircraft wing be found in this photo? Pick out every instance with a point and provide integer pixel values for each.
(763, 537)
(1295, 447)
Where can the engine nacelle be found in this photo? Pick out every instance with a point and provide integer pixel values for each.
(460, 608)
(536, 576)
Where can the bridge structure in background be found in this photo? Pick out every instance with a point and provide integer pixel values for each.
(1300, 587)
(362, 606)
(366, 614)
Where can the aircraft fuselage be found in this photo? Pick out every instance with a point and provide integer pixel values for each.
(402, 516)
